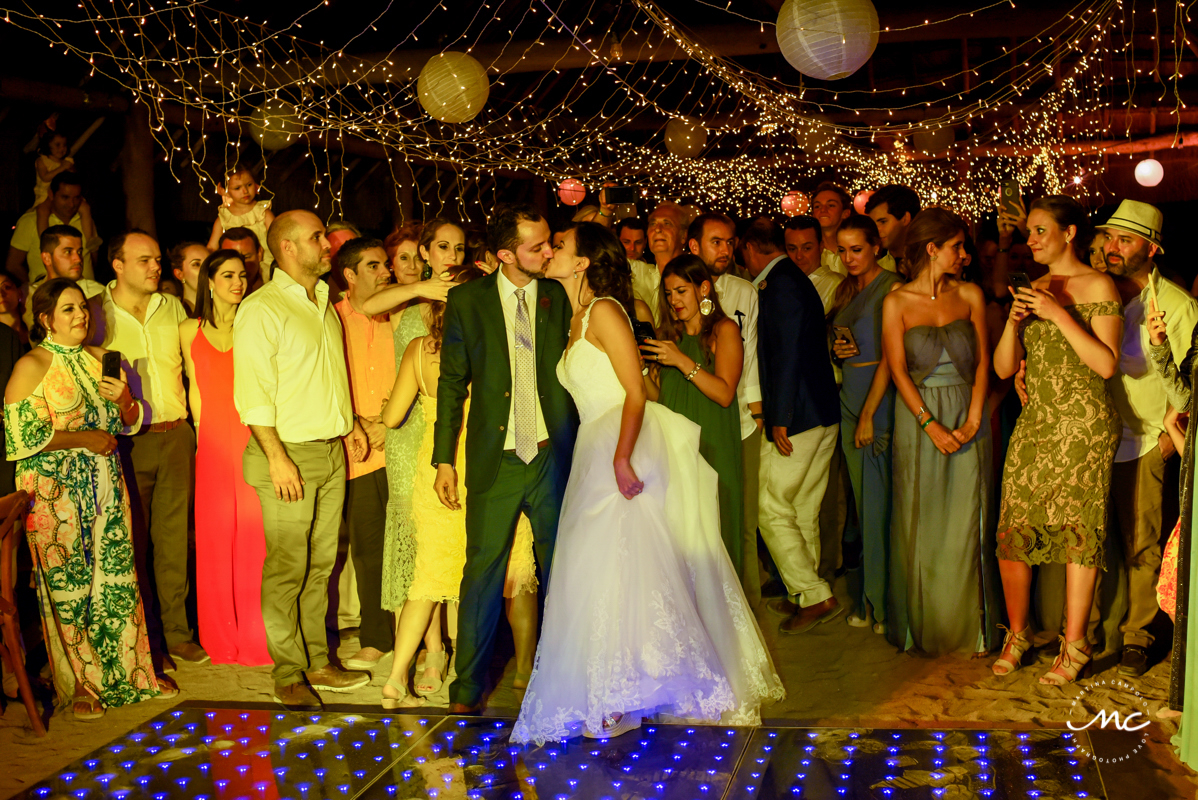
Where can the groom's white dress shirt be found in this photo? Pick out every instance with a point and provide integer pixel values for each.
(507, 298)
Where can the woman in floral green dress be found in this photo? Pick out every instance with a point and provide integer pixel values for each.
(61, 418)
(1057, 476)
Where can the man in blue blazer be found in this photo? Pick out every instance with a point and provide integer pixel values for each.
(802, 420)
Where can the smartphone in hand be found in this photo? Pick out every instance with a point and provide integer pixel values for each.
(110, 365)
(846, 333)
(1019, 280)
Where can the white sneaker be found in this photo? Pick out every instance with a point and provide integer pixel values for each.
(858, 622)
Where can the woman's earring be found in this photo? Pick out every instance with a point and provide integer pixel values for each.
(706, 307)
(211, 292)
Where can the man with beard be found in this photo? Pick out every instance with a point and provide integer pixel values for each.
(503, 338)
(1133, 238)
(291, 388)
(711, 237)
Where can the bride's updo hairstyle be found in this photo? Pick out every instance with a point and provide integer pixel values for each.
(935, 225)
(608, 274)
(436, 308)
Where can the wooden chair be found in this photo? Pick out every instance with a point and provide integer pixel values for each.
(12, 510)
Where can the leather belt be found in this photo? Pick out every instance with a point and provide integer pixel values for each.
(541, 445)
(162, 427)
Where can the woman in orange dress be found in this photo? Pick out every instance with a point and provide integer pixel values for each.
(230, 543)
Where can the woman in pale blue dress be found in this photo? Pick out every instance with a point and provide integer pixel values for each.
(866, 407)
(943, 577)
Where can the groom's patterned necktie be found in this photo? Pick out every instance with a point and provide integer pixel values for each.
(525, 394)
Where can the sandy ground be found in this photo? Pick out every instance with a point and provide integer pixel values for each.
(835, 676)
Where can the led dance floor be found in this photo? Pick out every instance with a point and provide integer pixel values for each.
(222, 754)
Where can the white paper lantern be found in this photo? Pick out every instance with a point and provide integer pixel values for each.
(453, 87)
(685, 137)
(931, 141)
(275, 125)
(827, 39)
(1149, 172)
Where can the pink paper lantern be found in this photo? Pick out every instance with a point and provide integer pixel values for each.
(861, 199)
(571, 191)
(794, 203)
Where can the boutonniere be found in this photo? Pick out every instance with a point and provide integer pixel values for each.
(761, 286)
(544, 302)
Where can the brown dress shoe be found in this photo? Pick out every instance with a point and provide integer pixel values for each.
(190, 652)
(297, 697)
(782, 606)
(462, 708)
(807, 618)
(331, 679)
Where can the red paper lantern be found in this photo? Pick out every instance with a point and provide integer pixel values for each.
(794, 203)
(571, 191)
(861, 199)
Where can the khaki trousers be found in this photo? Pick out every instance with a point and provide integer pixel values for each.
(1136, 491)
(750, 579)
(792, 489)
(301, 546)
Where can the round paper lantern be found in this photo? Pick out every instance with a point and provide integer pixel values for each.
(1149, 172)
(275, 125)
(794, 203)
(861, 199)
(827, 39)
(931, 141)
(685, 137)
(571, 191)
(453, 87)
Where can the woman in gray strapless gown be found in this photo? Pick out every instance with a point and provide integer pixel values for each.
(944, 576)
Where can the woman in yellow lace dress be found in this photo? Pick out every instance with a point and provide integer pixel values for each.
(440, 533)
(1058, 470)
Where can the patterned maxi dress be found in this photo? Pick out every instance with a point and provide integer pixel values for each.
(1058, 472)
(79, 535)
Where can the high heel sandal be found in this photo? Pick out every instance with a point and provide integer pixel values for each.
(1014, 645)
(615, 727)
(1071, 662)
(404, 700)
(438, 661)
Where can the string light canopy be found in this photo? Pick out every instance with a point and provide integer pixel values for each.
(662, 109)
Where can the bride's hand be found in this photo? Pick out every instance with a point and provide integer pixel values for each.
(630, 486)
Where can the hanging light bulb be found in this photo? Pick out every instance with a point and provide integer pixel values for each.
(1149, 172)
(617, 48)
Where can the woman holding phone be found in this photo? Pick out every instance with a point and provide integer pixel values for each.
(866, 406)
(1068, 326)
(943, 589)
(61, 419)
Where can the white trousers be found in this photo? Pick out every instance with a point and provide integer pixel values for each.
(791, 491)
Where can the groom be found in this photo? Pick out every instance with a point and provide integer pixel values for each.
(504, 335)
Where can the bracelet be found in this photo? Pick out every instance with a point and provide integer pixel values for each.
(604, 215)
(927, 422)
(758, 416)
(1004, 249)
(693, 373)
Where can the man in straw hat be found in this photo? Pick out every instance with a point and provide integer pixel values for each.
(1133, 238)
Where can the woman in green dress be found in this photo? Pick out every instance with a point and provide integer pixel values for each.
(1057, 477)
(61, 418)
(695, 366)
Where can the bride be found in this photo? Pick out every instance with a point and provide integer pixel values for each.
(644, 613)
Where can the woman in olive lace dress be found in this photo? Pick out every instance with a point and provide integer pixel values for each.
(1058, 468)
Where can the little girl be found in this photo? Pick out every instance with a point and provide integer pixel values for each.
(241, 209)
(52, 160)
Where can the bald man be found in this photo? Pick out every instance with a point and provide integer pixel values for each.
(291, 388)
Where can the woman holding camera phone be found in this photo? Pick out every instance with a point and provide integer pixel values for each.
(866, 406)
(1068, 326)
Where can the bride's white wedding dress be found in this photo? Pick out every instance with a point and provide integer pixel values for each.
(643, 612)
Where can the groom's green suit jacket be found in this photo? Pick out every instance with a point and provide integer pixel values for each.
(475, 360)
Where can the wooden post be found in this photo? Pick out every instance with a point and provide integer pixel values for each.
(137, 169)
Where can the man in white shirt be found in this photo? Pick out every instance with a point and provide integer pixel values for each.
(61, 249)
(803, 247)
(712, 237)
(24, 255)
(1132, 238)
(291, 388)
(132, 317)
